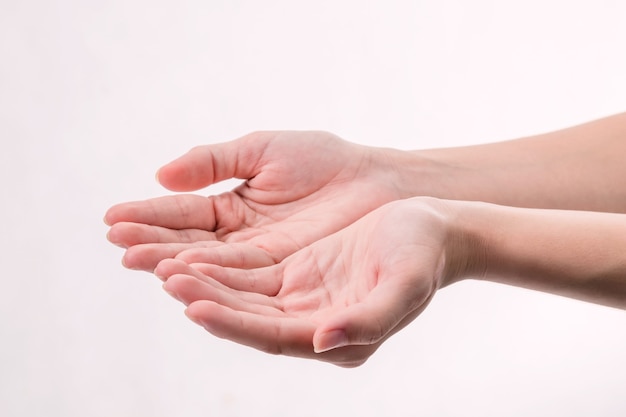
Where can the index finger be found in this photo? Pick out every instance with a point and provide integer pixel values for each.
(184, 211)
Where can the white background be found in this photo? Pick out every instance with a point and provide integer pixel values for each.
(96, 95)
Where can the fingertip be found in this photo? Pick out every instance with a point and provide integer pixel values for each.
(174, 176)
(171, 285)
(170, 293)
(194, 312)
(157, 273)
(329, 340)
(122, 212)
(112, 237)
(168, 267)
(128, 264)
(188, 255)
(208, 164)
(131, 261)
(109, 216)
(191, 316)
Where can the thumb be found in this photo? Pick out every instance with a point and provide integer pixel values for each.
(373, 319)
(209, 164)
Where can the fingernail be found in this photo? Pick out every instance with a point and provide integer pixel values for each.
(202, 323)
(159, 275)
(331, 340)
(131, 267)
(171, 293)
(119, 245)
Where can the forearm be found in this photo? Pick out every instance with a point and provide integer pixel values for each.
(580, 168)
(571, 253)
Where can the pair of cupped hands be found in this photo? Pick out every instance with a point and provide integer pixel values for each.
(318, 253)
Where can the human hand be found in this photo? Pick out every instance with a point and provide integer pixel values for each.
(336, 300)
(299, 187)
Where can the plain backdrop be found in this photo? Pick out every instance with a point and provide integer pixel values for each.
(96, 95)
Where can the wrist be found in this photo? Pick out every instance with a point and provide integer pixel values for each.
(423, 173)
(409, 174)
(466, 240)
(454, 229)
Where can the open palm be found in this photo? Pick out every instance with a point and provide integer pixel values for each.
(341, 297)
(298, 188)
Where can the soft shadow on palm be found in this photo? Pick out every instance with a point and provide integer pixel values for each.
(298, 188)
(366, 281)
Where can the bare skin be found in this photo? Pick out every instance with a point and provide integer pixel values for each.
(386, 265)
(299, 188)
(340, 298)
(577, 168)
(302, 186)
(323, 239)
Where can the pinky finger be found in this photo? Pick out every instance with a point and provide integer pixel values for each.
(270, 334)
(275, 335)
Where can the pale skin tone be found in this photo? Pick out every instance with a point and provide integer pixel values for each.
(287, 202)
(366, 281)
(323, 253)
